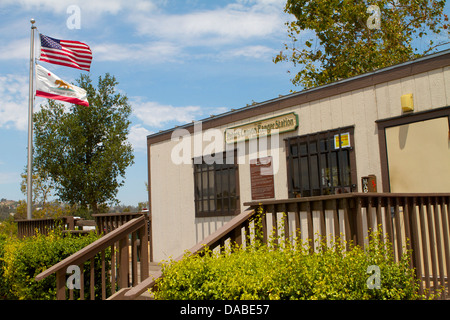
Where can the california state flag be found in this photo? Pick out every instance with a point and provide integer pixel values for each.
(50, 86)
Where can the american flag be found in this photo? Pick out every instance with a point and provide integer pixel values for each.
(67, 53)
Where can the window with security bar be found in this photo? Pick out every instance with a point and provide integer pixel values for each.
(216, 187)
(321, 163)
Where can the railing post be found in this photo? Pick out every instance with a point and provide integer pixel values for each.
(143, 236)
(134, 259)
(370, 222)
(263, 232)
(309, 220)
(123, 263)
(69, 220)
(236, 237)
(322, 226)
(398, 227)
(388, 219)
(61, 284)
(446, 231)
(274, 234)
(347, 223)
(337, 229)
(437, 219)
(359, 222)
(432, 236)
(415, 245)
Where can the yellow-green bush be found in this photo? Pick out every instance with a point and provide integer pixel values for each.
(21, 260)
(293, 272)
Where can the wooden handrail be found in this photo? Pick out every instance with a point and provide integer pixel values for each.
(89, 252)
(343, 196)
(232, 230)
(92, 249)
(106, 222)
(28, 227)
(119, 214)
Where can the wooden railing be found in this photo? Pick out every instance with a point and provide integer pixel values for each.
(29, 228)
(107, 222)
(118, 252)
(104, 222)
(232, 231)
(417, 222)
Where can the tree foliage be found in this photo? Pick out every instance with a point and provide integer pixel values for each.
(84, 150)
(334, 39)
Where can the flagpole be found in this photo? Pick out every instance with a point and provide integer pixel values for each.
(30, 128)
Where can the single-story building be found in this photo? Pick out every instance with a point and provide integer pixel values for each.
(383, 131)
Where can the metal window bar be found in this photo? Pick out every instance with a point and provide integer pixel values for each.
(203, 188)
(328, 158)
(208, 183)
(308, 160)
(216, 178)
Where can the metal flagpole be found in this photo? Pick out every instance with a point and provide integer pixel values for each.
(30, 128)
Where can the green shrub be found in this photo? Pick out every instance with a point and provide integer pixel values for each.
(292, 272)
(3, 285)
(21, 260)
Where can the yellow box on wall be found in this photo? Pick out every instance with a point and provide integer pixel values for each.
(407, 102)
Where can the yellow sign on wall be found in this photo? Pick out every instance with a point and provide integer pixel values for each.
(345, 140)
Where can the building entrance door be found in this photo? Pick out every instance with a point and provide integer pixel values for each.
(418, 156)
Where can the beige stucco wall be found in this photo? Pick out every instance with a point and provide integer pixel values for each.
(175, 227)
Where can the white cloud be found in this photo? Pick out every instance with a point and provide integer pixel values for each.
(87, 6)
(252, 52)
(159, 35)
(14, 97)
(157, 115)
(151, 52)
(241, 20)
(16, 49)
(14, 101)
(138, 137)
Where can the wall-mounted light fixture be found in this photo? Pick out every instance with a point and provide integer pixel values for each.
(407, 102)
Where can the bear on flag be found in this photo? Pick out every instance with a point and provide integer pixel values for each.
(50, 86)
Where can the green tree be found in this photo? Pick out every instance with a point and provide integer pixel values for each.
(42, 186)
(84, 150)
(337, 39)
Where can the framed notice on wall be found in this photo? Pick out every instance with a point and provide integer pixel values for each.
(261, 175)
(345, 140)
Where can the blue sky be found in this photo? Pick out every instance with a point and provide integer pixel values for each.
(177, 61)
